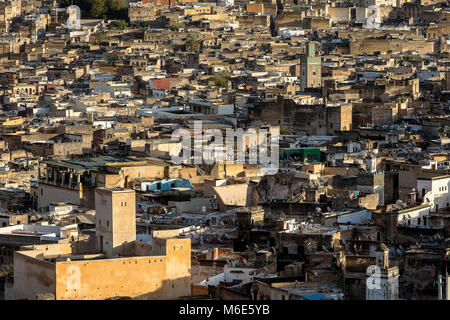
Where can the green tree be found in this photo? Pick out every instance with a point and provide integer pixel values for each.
(101, 38)
(98, 8)
(221, 79)
(192, 43)
(85, 5)
(176, 26)
(118, 9)
(117, 5)
(113, 9)
(118, 24)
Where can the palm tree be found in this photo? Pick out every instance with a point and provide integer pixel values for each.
(192, 43)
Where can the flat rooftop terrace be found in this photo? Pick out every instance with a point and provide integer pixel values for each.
(89, 163)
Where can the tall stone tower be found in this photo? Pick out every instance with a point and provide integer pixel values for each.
(382, 280)
(310, 68)
(371, 163)
(115, 215)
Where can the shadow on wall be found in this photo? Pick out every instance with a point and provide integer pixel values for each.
(159, 272)
(170, 290)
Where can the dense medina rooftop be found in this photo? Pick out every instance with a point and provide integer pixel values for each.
(116, 163)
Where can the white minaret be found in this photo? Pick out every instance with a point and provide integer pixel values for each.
(371, 164)
(381, 280)
(382, 256)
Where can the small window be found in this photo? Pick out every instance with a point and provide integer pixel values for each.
(99, 222)
(107, 223)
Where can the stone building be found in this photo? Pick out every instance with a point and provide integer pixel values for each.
(110, 264)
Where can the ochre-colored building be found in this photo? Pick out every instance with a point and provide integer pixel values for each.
(109, 264)
(159, 272)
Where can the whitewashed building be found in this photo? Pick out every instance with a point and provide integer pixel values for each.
(434, 191)
(382, 280)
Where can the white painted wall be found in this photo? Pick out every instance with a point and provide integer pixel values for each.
(436, 192)
(230, 274)
(415, 218)
(358, 217)
(384, 285)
